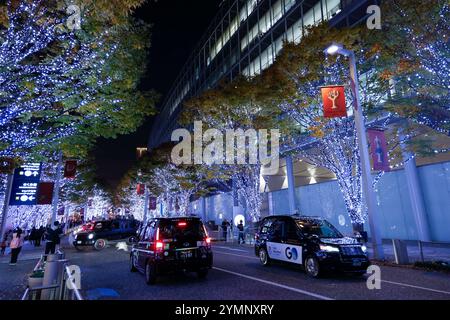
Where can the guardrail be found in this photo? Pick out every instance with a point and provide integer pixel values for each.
(58, 282)
(422, 244)
(233, 235)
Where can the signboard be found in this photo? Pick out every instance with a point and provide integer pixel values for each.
(45, 193)
(378, 149)
(152, 203)
(334, 103)
(285, 252)
(70, 169)
(61, 211)
(140, 189)
(25, 185)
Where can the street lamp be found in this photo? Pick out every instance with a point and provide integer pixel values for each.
(369, 194)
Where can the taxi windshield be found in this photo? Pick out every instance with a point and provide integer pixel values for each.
(320, 228)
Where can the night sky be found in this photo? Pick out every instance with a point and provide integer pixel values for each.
(178, 25)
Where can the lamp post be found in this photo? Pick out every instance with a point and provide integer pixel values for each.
(369, 194)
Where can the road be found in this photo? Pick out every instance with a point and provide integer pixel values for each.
(238, 275)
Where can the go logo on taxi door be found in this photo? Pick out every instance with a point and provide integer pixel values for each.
(291, 253)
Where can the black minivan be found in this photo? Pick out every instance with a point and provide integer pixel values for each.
(96, 234)
(311, 242)
(167, 245)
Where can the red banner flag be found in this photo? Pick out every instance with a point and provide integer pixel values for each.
(334, 103)
(45, 193)
(140, 189)
(378, 149)
(70, 169)
(152, 203)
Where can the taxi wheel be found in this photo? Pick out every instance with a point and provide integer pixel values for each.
(150, 274)
(100, 244)
(202, 273)
(132, 264)
(264, 257)
(131, 240)
(312, 267)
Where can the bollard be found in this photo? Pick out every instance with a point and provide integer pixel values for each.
(400, 251)
(52, 275)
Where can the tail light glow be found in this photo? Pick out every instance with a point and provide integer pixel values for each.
(159, 245)
(182, 224)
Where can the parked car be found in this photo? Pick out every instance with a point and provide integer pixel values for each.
(311, 242)
(96, 234)
(167, 245)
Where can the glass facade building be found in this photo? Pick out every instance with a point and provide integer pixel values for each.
(244, 39)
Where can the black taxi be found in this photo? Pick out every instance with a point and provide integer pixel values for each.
(167, 245)
(311, 242)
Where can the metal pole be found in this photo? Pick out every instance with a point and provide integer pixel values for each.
(369, 194)
(56, 190)
(6, 204)
(147, 195)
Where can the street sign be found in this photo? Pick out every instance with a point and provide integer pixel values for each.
(25, 185)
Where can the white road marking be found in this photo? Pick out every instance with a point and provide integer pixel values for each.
(232, 249)
(236, 255)
(311, 294)
(416, 287)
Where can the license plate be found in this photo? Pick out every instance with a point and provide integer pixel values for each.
(186, 254)
(357, 263)
(79, 242)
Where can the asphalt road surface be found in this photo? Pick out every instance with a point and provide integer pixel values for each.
(238, 275)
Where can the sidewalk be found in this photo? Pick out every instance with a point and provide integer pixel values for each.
(13, 279)
(29, 252)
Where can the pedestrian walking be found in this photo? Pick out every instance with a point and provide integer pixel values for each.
(16, 246)
(225, 226)
(52, 238)
(33, 236)
(241, 232)
(39, 236)
(3, 245)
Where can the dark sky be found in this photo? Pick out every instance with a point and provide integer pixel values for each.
(177, 27)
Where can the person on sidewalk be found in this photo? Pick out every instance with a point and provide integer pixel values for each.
(39, 235)
(3, 245)
(16, 246)
(33, 236)
(52, 238)
(240, 227)
(225, 226)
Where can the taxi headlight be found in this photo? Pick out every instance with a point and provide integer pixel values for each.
(364, 249)
(327, 248)
(91, 236)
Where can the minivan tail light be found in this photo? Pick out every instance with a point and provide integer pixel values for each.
(159, 245)
(208, 240)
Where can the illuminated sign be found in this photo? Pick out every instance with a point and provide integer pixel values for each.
(25, 185)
